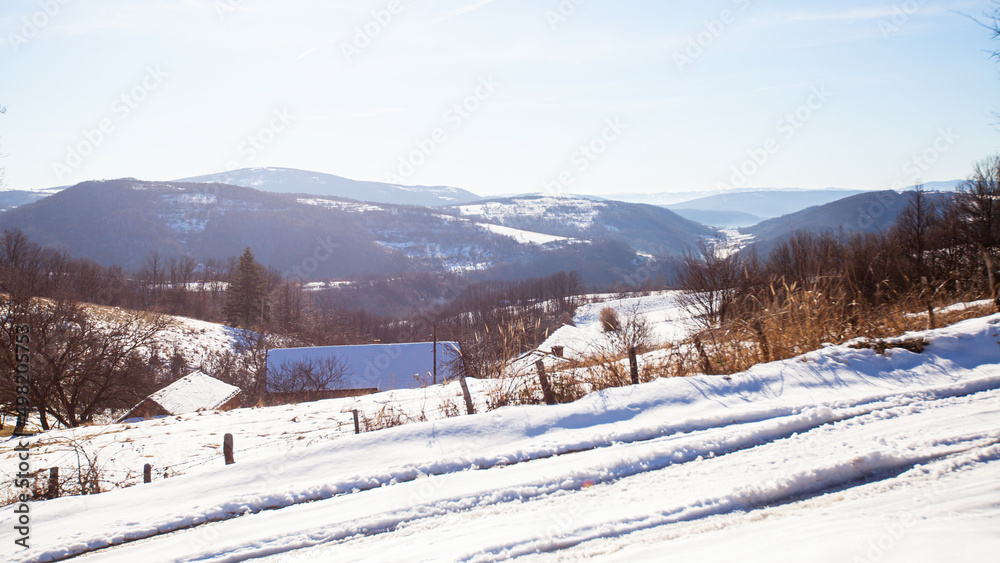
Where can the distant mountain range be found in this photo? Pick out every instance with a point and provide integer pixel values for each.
(292, 181)
(764, 204)
(9, 199)
(746, 207)
(316, 237)
(861, 213)
(646, 228)
(288, 215)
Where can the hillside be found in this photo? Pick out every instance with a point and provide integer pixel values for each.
(765, 203)
(646, 228)
(866, 212)
(292, 181)
(123, 221)
(896, 452)
(9, 199)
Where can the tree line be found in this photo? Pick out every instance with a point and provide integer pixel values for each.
(938, 249)
(95, 329)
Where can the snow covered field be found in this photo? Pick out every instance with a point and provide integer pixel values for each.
(842, 454)
(668, 319)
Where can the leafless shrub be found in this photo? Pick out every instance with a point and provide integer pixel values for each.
(386, 417)
(609, 320)
(715, 283)
(313, 374)
(450, 408)
(633, 332)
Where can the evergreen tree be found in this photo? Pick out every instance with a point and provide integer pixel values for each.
(246, 294)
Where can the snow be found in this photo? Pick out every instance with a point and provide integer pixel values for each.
(841, 454)
(956, 308)
(194, 392)
(319, 286)
(571, 210)
(523, 237)
(669, 321)
(351, 206)
(196, 340)
(730, 242)
(190, 212)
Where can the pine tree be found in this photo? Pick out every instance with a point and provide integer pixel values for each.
(246, 294)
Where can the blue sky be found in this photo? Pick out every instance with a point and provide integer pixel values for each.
(500, 96)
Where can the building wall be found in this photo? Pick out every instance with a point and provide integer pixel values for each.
(273, 399)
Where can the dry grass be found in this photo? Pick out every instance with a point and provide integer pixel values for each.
(805, 321)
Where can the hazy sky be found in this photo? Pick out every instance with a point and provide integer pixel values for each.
(500, 96)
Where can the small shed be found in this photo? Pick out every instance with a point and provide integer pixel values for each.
(192, 393)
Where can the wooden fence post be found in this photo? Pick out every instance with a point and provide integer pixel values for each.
(227, 448)
(706, 364)
(357, 423)
(53, 490)
(547, 393)
(928, 301)
(469, 407)
(147, 473)
(765, 348)
(633, 365)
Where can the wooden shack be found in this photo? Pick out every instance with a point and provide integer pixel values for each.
(192, 393)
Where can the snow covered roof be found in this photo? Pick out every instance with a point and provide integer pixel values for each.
(381, 366)
(194, 392)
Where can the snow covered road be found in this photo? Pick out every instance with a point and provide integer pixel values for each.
(840, 455)
(565, 502)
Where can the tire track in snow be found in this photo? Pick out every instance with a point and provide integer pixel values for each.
(656, 454)
(842, 476)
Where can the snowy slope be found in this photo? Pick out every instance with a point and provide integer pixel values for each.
(669, 320)
(574, 211)
(196, 339)
(842, 454)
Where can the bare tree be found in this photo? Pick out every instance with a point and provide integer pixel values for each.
(713, 281)
(978, 202)
(311, 374)
(83, 361)
(153, 271)
(913, 230)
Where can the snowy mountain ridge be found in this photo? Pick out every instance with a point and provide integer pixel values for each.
(291, 181)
